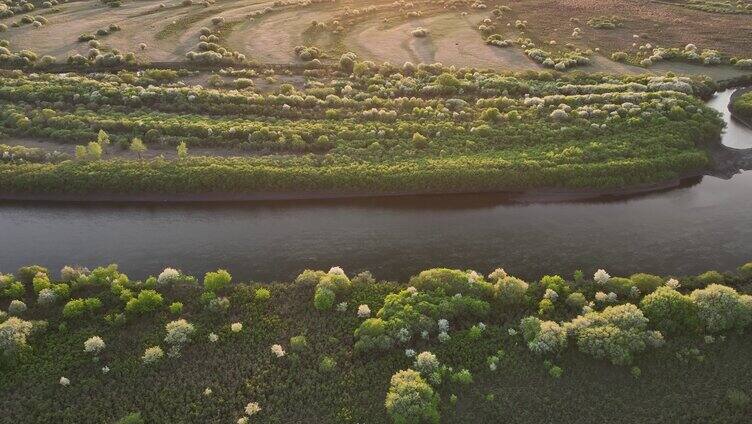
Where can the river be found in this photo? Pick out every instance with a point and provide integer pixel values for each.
(705, 224)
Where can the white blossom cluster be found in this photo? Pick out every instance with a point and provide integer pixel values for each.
(278, 351)
(601, 277)
(178, 332)
(152, 355)
(168, 276)
(46, 297)
(551, 295)
(94, 345)
(236, 327)
(426, 363)
(364, 311)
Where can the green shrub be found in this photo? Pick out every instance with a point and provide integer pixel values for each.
(324, 299)
(646, 283)
(10, 288)
(262, 295)
(78, 307)
(576, 301)
(511, 291)
(710, 277)
(451, 282)
(745, 271)
(132, 418)
(463, 377)
(617, 333)
(26, 274)
(327, 364)
(214, 281)
(298, 343)
(411, 400)
(176, 308)
(146, 301)
(670, 311)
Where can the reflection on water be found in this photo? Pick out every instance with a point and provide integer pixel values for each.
(704, 224)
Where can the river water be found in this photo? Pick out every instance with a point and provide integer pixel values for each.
(706, 224)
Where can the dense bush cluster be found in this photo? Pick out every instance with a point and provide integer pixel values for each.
(272, 346)
(384, 129)
(741, 106)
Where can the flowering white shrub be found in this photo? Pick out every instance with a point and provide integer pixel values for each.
(409, 353)
(278, 350)
(46, 297)
(722, 308)
(13, 334)
(426, 363)
(342, 307)
(551, 295)
(64, 381)
(152, 355)
(213, 337)
(364, 311)
(105, 369)
(443, 325)
(335, 270)
(673, 283)
(168, 276)
(404, 335)
(543, 337)
(444, 337)
(252, 408)
(497, 274)
(94, 345)
(179, 332)
(207, 392)
(601, 277)
(236, 327)
(511, 290)
(16, 307)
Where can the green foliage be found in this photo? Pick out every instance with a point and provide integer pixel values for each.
(146, 301)
(10, 288)
(323, 299)
(453, 281)
(576, 301)
(410, 400)
(217, 280)
(617, 333)
(262, 295)
(646, 283)
(176, 308)
(511, 290)
(26, 274)
(721, 308)
(670, 311)
(298, 343)
(710, 277)
(132, 418)
(78, 307)
(371, 134)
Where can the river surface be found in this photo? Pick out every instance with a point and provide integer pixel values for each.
(706, 224)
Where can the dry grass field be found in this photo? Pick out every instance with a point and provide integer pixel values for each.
(268, 32)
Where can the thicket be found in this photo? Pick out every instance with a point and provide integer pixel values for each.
(447, 345)
(742, 106)
(418, 128)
